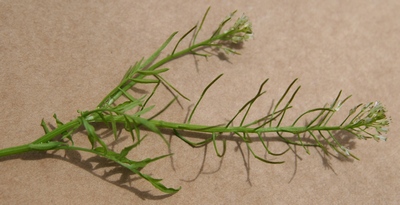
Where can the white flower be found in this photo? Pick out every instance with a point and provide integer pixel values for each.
(345, 150)
(380, 137)
(240, 31)
(371, 116)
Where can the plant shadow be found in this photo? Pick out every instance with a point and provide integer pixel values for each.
(97, 166)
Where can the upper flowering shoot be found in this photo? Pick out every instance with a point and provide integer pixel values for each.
(239, 32)
(372, 115)
(236, 34)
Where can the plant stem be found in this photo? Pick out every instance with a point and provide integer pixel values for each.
(224, 129)
(15, 150)
(371, 116)
(58, 131)
(125, 86)
(45, 138)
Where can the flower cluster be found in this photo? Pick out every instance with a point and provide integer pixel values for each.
(240, 31)
(372, 115)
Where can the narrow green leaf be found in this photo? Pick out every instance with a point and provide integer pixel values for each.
(227, 19)
(302, 144)
(44, 125)
(151, 95)
(133, 166)
(248, 103)
(201, 97)
(200, 27)
(102, 150)
(144, 81)
(266, 147)
(266, 119)
(90, 131)
(152, 127)
(157, 53)
(326, 119)
(127, 105)
(153, 72)
(145, 162)
(251, 102)
(322, 110)
(184, 36)
(168, 85)
(57, 120)
(214, 135)
(113, 126)
(147, 124)
(132, 70)
(128, 126)
(156, 183)
(65, 134)
(126, 150)
(259, 158)
(127, 95)
(93, 137)
(143, 111)
(164, 108)
(318, 142)
(243, 137)
(192, 144)
(282, 97)
(288, 104)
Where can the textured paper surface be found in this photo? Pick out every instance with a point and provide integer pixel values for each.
(63, 56)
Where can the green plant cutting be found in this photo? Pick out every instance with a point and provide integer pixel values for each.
(121, 108)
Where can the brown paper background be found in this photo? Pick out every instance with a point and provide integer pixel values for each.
(63, 56)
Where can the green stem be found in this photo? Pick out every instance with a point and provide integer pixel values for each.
(15, 150)
(126, 85)
(114, 95)
(58, 131)
(45, 138)
(223, 129)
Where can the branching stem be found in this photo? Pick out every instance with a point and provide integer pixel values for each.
(363, 121)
